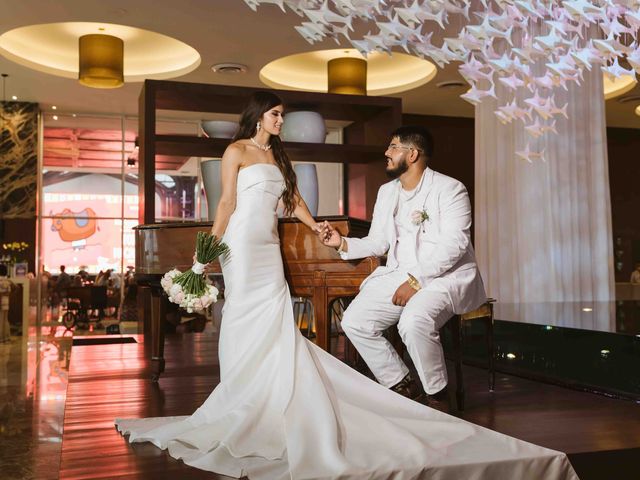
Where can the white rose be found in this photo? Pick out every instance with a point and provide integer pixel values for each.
(166, 283)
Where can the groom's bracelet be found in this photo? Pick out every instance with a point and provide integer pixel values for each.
(413, 283)
(340, 250)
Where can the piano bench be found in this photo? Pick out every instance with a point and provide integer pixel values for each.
(485, 314)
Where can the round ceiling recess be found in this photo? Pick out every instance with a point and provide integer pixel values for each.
(53, 48)
(386, 74)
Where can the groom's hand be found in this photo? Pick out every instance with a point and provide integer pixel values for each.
(403, 294)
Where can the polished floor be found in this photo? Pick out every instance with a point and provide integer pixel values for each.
(33, 386)
(59, 402)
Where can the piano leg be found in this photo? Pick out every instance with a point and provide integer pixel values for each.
(143, 299)
(320, 308)
(158, 315)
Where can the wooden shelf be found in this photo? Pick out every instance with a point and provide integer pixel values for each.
(370, 121)
(199, 97)
(301, 152)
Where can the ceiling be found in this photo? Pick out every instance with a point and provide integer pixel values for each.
(221, 31)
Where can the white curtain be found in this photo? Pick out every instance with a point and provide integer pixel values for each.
(543, 229)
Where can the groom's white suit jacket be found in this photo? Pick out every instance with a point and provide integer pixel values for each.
(446, 261)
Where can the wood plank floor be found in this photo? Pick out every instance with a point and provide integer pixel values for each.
(109, 381)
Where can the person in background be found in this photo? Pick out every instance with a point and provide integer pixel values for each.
(83, 274)
(98, 281)
(103, 280)
(62, 283)
(635, 275)
(114, 280)
(6, 286)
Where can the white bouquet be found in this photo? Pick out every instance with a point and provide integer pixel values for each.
(190, 290)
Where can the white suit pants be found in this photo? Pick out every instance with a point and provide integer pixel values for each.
(419, 322)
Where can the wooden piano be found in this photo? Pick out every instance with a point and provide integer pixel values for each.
(312, 270)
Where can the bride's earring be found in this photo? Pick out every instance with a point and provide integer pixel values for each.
(258, 126)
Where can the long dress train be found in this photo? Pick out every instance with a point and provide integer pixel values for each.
(284, 408)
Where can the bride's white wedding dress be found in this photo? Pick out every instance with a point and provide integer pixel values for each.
(284, 408)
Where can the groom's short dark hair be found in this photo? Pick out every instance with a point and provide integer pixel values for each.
(417, 136)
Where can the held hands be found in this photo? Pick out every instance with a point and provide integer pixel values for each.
(403, 294)
(328, 235)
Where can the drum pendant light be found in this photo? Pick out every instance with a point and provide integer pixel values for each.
(101, 61)
(347, 75)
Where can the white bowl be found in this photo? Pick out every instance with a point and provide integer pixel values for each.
(303, 127)
(219, 128)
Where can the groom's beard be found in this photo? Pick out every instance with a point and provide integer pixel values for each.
(395, 172)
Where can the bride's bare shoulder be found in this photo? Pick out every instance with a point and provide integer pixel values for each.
(239, 146)
(235, 154)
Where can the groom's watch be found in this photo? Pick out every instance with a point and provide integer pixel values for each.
(413, 282)
(340, 250)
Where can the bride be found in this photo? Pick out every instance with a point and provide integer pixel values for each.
(284, 408)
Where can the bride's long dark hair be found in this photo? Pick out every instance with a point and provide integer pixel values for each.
(259, 103)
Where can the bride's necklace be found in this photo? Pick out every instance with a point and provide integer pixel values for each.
(264, 148)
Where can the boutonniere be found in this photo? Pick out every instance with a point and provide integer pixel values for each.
(418, 217)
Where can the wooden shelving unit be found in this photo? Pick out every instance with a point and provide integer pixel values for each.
(212, 147)
(361, 154)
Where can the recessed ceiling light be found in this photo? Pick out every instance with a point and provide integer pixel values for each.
(55, 117)
(451, 84)
(229, 68)
(53, 107)
(587, 309)
(73, 115)
(13, 97)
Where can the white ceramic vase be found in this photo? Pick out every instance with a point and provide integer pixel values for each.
(303, 126)
(307, 176)
(210, 169)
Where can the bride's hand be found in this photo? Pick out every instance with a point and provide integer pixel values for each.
(208, 268)
(322, 229)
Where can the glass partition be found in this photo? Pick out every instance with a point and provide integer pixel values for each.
(83, 192)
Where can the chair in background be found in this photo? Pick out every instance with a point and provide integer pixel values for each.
(78, 302)
(99, 302)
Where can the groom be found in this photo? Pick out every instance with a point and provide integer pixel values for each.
(422, 221)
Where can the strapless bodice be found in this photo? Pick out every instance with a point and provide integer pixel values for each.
(259, 185)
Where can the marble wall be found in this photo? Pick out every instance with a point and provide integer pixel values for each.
(19, 175)
(18, 160)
